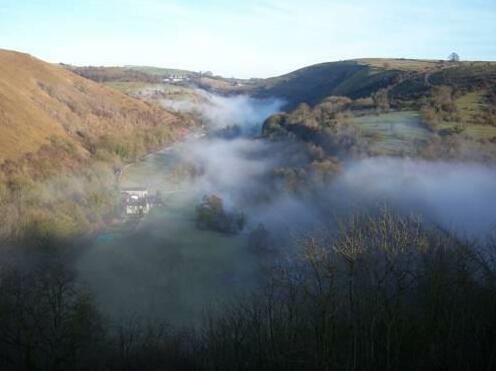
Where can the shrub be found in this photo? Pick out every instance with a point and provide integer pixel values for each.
(210, 214)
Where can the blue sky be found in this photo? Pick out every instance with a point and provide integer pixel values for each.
(256, 38)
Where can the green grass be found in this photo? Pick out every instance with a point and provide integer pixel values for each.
(169, 91)
(470, 105)
(481, 131)
(125, 87)
(166, 268)
(399, 64)
(158, 71)
(393, 133)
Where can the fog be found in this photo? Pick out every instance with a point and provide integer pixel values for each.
(169, 269)
(457, 196)
(223, 111)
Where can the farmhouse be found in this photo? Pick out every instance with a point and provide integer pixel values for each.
(175, 78)
(135, 201)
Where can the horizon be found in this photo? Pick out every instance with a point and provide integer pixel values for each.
(234, 39)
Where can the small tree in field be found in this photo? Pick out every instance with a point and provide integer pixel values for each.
(210, 214)
(454, 57)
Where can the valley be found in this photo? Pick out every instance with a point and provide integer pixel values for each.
(294, 205)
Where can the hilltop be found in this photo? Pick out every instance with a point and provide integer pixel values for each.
(405, 79)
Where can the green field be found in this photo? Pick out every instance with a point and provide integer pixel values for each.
(159, 71)
(166, 267)
(470, 105)
(146, 91)
(481, 131)
(126, 87)
(400, 64)
(393, 133)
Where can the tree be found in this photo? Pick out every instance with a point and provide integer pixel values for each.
(210, 214)
(259, 239)
(454, 57)
(381, 99)
(47, 319)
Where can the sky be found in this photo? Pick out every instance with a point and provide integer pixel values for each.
(257, 38)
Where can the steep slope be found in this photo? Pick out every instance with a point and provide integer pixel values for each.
(40, 102)
(145, 74)
(63, 139)
(405, 79)
(313, 83)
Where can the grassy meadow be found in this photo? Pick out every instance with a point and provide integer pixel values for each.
(173, 269)
(393, 133)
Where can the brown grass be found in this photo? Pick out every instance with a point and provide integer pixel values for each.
(39, 101)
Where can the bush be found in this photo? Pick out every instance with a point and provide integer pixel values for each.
(210, 214)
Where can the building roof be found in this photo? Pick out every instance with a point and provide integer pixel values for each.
(135, 189)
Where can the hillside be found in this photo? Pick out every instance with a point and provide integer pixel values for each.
(436, 110)
(132, 79)
(63, 139)
(40, 102)
(406, 79)
(144, 74)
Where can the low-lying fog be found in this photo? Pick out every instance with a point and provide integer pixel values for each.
(457, 196)
(220, 112)
(167, 268)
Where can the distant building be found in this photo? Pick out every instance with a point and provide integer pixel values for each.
(175, 78)
(135, 201)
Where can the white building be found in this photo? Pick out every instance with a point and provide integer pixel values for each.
(135, 201)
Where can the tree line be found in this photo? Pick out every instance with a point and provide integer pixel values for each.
(379, 292)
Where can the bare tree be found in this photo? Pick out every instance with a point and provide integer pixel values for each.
(47, 321)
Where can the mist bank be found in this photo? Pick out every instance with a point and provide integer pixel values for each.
(167, 268)
(218, 112)
(243, 170)
(457, 196)
(454, 195)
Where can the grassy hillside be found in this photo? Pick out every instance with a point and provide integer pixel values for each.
(145, 74)
(405, 79)
(448, 126)
(40, 101)
(393, 133)
(312, 84)
(436, 109)
(160, 71)
(131, 79)
(62, 137)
